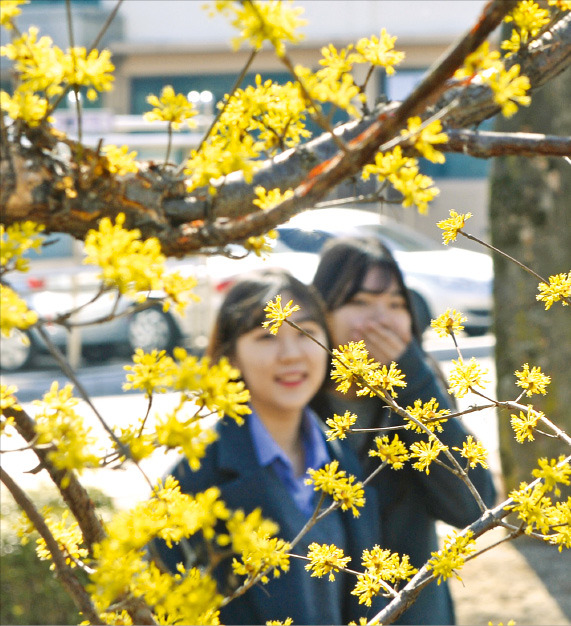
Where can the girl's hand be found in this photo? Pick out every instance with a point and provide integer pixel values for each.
(385, 343)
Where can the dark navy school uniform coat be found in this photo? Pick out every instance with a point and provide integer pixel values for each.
(231, 464)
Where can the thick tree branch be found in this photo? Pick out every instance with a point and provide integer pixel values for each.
(74, 494)
(156, 200)
(64, 573)
(483, 144)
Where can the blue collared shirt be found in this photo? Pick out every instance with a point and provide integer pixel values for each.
(271, 455)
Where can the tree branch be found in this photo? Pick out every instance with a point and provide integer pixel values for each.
(483, 144)
(64, 573)
(158, 204)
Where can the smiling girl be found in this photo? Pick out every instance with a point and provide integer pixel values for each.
(263, 464)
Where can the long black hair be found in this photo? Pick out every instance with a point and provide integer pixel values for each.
(343, 266)
(242, 309)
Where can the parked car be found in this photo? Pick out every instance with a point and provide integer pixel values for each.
(438, 278)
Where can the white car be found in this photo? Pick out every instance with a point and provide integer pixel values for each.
(439, 277)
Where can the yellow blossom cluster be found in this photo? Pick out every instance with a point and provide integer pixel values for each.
(453, 225)
(528, 19)
(537, 511)
(532, 381)
(121, 565)
(69, 539)
(474, 452)
(508, 86)
(274, 21)
(135, 266)
(449, 323)
(404, 175)
(203, 385)
(325, 559)
(426, 452)
(119, 160)
(10, 9)
(45, 71)
(452, 556)
(428, 415)
(14, 312)
(392, 452)
(465, 376)
(558, 289)
(525, 424)
(342, 488)
(424, 137)
(7, 401)
(277, 314)
(352, 365)
(340, 425)
(172, 108)
(261, 245)
(381, 566)
(59, 424)
(15, 241)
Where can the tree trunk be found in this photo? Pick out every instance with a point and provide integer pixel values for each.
(530, 220)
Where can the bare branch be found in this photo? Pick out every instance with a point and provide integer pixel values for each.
(484, 144)
(64, 573)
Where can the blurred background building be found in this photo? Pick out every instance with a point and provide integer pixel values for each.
(159, 42)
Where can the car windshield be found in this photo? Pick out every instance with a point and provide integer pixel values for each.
(395, 238)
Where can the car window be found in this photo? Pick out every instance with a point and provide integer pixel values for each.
(400, 238)
(300, 240)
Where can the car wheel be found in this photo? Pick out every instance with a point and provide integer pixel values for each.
(420, 311)
(476, 331)
(16, 351)
(98, 352)
(152, 329)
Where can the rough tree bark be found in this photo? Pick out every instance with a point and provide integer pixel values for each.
(530, 220)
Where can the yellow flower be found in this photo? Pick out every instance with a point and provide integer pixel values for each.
(425, 138)
(509, 89)
(325, 559)
(387, 163)
(153, 372)
(274, 20)
(465, 376)
(9, 9)
(453, 225)
(532, 507)
(131, 265)
(269, 199)
(351, 364)
(336, 60)
(68, 537)
(562, 5)
(474, 452)
(58, 423)
(368, 586)
(428, 414)
(385, 378)
(172, 108)
(524, 424)
(340, 425)
(387, 565)
(480, 59)
(378, 51)
(392, 452)
(8, 401)
(417, 189)
(452, 556)
(276, 622)
(342, 488)
(426, 452)
(14, 312)
(533, 381)
(552, 473)
(529, 18)
(450, 322)
(91, 69)
(559, 288)
(261, 245)
(277, 314)
(15, 241)
(25, 106)
(120, 160)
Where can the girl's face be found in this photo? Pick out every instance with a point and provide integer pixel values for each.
(284, 371)
(370, 310)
